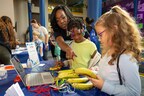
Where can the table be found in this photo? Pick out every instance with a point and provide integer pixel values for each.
(22, 54)
(5, 84)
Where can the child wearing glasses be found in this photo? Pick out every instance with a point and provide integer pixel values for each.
(84, 49)
(120, 38)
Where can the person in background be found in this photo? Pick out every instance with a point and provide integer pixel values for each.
(92, 33)
(89, 22)
(11, 32)
(118, 73)
(44, 36)
(38, 42)
(7, 40)
(60, 17)
(52, 43)
(85, 49)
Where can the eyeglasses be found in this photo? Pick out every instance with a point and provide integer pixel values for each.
(100, 34)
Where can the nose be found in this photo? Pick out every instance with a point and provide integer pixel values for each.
(61, 20)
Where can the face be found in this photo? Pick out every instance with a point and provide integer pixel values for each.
(35, 37)
(103, 36)
(61, 19)
(76, 35)
(35, 25)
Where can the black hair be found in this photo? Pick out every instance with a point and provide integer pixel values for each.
(89, 20)
(75, 22)
(53, 15)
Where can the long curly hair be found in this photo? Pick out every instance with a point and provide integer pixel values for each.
(123, 31)
(53, 16)
(10, 34)
(3, 31)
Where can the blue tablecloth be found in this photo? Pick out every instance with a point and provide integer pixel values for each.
(5, 84)
(23, 56)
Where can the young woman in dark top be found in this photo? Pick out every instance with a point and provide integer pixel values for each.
(7, 39)
(10, 30)
(59, 19)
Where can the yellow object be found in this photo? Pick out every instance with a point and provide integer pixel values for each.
(77, 80)
(82, 86)
(67, 75)
(84, 51)
(55, 68)
(66, 71)
(85, 71)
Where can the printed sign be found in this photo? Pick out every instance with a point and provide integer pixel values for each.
(33, 55)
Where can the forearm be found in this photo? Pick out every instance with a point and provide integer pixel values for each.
(46, 38)
(41, 51)
(118, 90)
(62, 44)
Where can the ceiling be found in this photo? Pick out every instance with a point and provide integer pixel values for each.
(72, 3)
(69, 3)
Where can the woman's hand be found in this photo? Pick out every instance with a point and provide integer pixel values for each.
(70, 54)
(97, 82)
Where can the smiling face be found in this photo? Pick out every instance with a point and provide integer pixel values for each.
(77, 35)
(61, 19)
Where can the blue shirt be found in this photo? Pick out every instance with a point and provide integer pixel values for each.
(129, 73)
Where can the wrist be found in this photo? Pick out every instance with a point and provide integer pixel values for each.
(46, 44)
(68, 49)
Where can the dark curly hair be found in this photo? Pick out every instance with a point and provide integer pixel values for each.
(53, 16)
(75, 22)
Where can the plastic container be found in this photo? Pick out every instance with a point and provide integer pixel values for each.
(3, 72)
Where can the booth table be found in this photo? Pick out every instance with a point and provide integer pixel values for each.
(22, 54)
(5, 84)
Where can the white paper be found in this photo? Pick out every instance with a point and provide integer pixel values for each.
(14, 90)
(33, 55)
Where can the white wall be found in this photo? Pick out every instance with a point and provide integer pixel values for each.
(7, 8)
(21, 17)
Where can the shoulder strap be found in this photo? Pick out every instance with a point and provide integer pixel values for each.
(118, 69)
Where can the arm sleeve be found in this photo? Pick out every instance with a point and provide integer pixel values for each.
(44, 30)
(93, 48)
(130, 77)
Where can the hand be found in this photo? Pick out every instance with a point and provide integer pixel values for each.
(97, 82)
(46, 46)
(70, 54)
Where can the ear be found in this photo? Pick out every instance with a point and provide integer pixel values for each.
(82, 31)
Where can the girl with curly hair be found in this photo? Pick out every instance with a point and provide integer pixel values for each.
(120, 38)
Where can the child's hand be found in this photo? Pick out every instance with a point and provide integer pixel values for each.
(97, 82)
